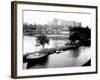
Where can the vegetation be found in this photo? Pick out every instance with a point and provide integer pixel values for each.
(42, 40)
(29, 29)
(80, 34)
(34, 29)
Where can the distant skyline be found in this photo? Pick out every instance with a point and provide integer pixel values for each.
(32, 17)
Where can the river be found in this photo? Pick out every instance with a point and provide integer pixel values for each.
(69, 58)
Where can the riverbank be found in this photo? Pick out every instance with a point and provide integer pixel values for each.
(46, 52)
(69, 58)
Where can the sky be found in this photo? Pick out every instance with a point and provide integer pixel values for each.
(41, 17)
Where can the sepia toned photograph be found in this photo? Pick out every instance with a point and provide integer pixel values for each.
(53, 39)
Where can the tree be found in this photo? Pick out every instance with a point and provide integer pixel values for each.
(81, 34)
(42, 40)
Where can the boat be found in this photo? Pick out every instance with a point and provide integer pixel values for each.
(34, 56)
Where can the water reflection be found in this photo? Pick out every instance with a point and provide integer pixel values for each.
(75, 52)
(69, 58)
(38, 63)
(30, 44)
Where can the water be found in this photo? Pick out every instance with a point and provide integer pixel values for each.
(69, 58)
(30, 44)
